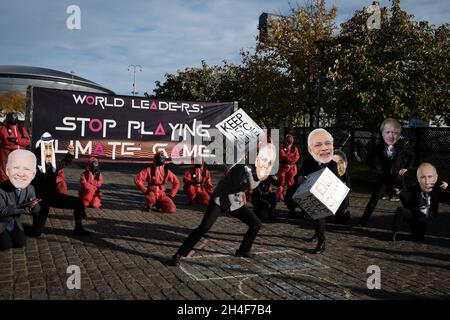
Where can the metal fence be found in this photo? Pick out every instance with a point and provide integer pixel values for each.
(427, 144)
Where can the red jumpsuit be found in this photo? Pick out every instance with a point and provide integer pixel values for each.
(91, 183)
(289, 155)
(154, 193)
(61, 184)
(198, 185)
(11, 138)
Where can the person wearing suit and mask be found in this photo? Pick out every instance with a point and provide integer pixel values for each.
(45, 184)
(228, 196)
(420, 202)
(320, 148)
(17, 197)
(342, 215)
(393, 159)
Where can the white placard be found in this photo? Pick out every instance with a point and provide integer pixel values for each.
(240, 129)
(321, 194)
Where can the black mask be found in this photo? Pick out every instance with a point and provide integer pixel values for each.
(160, 159)
(94, 167)
(12, 118)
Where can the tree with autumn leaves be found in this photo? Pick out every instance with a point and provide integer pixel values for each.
(12, 101)
(304, 69)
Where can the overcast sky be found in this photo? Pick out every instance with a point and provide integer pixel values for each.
(162, 36)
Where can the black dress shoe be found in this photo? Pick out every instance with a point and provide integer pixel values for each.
(80, 231)
(362, 223)
(244, 254)
(394, 236)
(313, 238)
(29, 230)
(175, 260)
(320, 247)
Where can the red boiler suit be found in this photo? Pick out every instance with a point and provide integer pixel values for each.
(90, 192)
(6, 146)
(289, 155)
(154, 194)
(198, 185)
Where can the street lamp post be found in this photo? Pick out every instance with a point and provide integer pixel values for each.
(134, 92)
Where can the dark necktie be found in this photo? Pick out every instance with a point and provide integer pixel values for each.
(17, 191)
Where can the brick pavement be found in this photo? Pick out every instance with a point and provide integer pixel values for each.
(127, 255)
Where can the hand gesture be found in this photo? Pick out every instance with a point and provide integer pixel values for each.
(32, 203)
(397, 191)
(444, 185)
(402, 172)
(71, 149)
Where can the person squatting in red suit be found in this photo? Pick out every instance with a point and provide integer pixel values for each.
(156, 177)
(197, 184)
(12, 137)
(91, 181)
(289, 156)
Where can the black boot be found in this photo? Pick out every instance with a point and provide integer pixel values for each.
(244, 254)
(394, 236)
(313, 238)
(175, 260)
(320, 247)
(80, 230)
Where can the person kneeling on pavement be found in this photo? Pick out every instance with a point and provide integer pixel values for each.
(91, 181)
(45, 184)
(156, 177)
(342, 215)
(420, 202)
(17, 197)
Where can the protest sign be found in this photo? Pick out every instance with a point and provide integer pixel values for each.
(321, 194)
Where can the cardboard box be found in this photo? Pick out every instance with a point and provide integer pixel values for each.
(321, 194)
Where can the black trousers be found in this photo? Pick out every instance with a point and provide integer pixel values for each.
(264, 204)
(290, 203)
(416, 220)
(61, 201)
(342, 215)
(382, 187)
(14, 239)
(319, 229)
(212, 213)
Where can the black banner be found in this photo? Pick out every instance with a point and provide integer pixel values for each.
(119, 128)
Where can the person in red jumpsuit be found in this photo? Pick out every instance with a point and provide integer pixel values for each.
(289, 156)
(12, 137)
(197, 184)
(91, 181)
(156, 177)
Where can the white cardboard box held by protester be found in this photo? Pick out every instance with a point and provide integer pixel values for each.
(321, 194)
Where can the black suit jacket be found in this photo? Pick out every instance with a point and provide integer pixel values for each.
(310, 165)
(233, 182)
(10, 209)
(45, 183)
(389, 167)
(412, 196)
